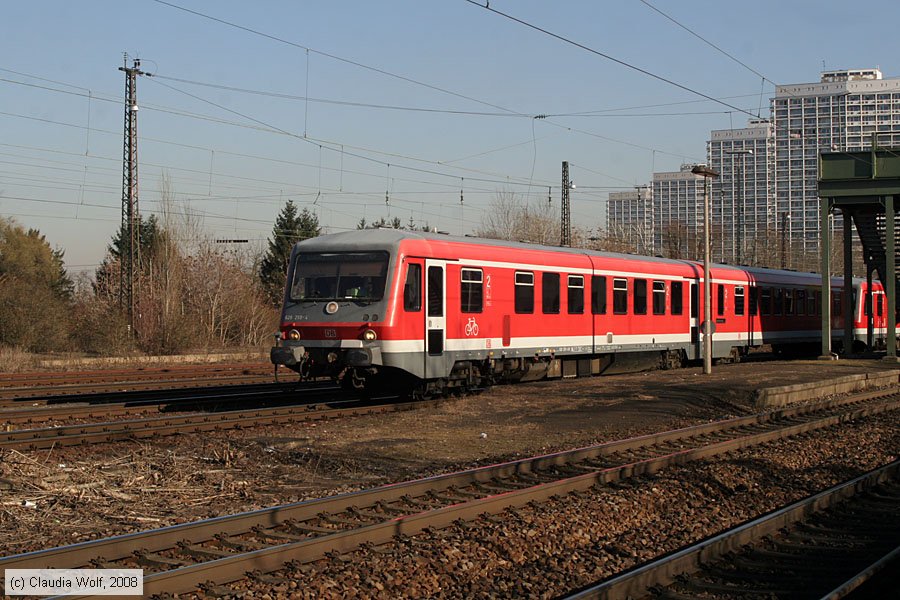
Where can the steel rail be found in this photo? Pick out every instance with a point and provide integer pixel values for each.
(637, 582)
(10, 395)
(846, 588)
(118, 394)
(412, 520)
(165, 401)
(151, 373)
(109, 431)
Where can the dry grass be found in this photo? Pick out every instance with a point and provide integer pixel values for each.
(14, 360)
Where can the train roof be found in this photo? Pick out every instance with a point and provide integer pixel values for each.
(391, 238)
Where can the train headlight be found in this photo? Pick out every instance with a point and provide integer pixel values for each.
(293, 334)
(369, 335)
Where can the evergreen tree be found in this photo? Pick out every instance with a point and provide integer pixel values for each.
(383, 223)
(290, 227)
(107, 274)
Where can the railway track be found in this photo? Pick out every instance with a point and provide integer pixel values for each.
(148, 427)
(105, 405)
(35, 385)
(825, 546)
(186, 557)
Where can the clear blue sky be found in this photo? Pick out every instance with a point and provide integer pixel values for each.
(235, 164)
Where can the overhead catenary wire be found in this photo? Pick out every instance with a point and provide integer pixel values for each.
(606, 56)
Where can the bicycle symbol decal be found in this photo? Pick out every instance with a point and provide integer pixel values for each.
(471, 327)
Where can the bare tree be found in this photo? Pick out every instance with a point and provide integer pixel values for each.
(511, 218)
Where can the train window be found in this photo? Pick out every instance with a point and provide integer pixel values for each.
(778, 297)
(765, 303)
(359, 276)
(695, 301)
(880, 305)
(720, 299)
(801, 302)
(471, 293)
(677, 297)
(818, 301)
(550, 293)
(412, 289)
(576, 294)
(811, 303)
(659, 297)
(620, 296)
(640, 296)
(524, 296)
(788, 302)
(598, 295)
(836, 305)
(739, 300)
(435, 291)
(868, 305)
(754, 300)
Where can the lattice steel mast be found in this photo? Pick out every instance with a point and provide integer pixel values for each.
(130, 256)
(565, 225)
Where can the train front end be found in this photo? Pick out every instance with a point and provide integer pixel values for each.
(336, 308)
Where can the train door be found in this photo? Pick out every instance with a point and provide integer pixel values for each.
(435, 317)
(695, 321)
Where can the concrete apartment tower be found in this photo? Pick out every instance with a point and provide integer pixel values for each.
(629, 217)
(843, 111)
(677, 212)
(743, 196)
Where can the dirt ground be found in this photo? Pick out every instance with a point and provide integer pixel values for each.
(59, 496)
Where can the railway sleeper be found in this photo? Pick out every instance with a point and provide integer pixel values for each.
(869, 530)
(825, 539)
(498, 487)
(278, 535)
(152, 559)
(202, 552)
(706, 587)
(451, 497)
(239, 544)
(821, 551)
(469, 491)
(212, 590)
(265, 578)
(385, 549)
(337, 520)
(534, 477)
(391, 508)
(420, 503)
(790, 557)
(772, 575)
(366, 514)
(307, 528)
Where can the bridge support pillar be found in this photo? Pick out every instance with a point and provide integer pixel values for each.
(825, 248)
(891, 284)
(848, 281)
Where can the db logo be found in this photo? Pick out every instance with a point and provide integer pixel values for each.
(331, 333)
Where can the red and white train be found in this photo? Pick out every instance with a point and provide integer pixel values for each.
(388, 307)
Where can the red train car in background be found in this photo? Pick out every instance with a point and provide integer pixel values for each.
(390, 308)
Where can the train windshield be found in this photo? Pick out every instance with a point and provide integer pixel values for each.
(355, 276)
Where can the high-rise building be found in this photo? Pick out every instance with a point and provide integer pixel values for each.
(743, 196)
(765, 201)
(629, 217)
(677, 212)
(845, 110)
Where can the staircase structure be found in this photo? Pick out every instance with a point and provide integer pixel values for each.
(865, 187)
